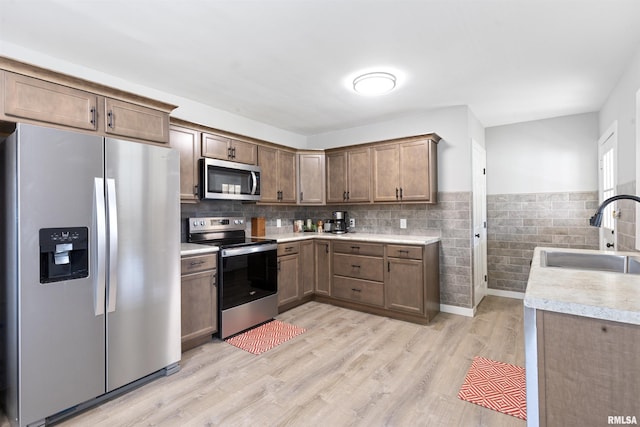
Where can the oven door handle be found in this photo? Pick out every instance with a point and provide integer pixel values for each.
(245, 250)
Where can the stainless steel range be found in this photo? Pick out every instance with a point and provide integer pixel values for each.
(248, 277)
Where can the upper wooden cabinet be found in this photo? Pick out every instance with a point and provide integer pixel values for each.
(29, 98)
(349, 175)
(36, 95)
(135, 121)
(187, 142)
(405, 171)
(278, 175)
(311, 178)
(225, 148)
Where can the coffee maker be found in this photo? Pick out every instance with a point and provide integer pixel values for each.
(340, 221)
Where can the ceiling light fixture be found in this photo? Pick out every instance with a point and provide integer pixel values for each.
(376, 83)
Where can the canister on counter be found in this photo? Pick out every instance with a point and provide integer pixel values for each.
(258, 226)
(298, 226)
(320, 226)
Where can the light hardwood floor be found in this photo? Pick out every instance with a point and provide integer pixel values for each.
(347, 369)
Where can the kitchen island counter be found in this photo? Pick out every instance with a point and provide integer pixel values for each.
(597, 294)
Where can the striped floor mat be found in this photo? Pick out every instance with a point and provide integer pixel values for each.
(265, 337)
(496, 385)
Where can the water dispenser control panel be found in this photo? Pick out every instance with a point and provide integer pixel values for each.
(64, 254)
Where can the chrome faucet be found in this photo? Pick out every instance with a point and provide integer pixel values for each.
(596, 219)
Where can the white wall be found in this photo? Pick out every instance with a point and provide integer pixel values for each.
(454, 150)
(621, 106)
(187, 109)
(542, 156)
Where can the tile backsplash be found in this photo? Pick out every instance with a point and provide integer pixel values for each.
(450, 219)
(517, 223)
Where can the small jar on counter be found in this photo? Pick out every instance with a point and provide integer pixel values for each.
(320, 226)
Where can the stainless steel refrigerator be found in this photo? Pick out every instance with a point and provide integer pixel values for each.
(91, 229)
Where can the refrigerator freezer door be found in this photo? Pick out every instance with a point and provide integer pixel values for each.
(143, 331)
(62, 340)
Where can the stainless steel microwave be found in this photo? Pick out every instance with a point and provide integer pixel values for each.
(220, 179)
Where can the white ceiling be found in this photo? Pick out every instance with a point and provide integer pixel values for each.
(288, 63)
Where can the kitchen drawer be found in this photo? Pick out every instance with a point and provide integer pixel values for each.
(359, 248)
(288, 248)
(357, 290)
(193, 264)
(406, 252)
(360, 267)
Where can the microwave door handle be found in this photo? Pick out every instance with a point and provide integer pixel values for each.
(113, 244)
(254, 180)
(99, 286)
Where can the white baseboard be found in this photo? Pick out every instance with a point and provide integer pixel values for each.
(506, 294)
(453, 309)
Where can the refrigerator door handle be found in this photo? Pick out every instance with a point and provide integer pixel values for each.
(113, 244)
(99, 286)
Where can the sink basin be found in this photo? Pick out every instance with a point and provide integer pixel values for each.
(591, 261)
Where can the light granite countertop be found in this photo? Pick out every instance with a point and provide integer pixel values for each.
(196, 249)
(362, 237)
(597, 294)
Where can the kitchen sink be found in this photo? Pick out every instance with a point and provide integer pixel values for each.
(591, 261)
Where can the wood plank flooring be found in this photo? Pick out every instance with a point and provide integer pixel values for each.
(347, 369)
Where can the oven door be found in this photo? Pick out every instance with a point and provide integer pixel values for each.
(248, 289)
(220, 179)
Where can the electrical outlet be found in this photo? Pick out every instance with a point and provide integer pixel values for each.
(352, 222)
(278, 223)
(403, 223)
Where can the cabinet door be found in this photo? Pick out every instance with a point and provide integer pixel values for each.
(268, 162)
(216, 146)
(49, 102)
(288, 276)
(187, 142)
(287, 176)
(414, 171)
(311, 179)
(199, 305)
(404, 285)
(359, 175)
(386, 173)
(323, 267)
(244, 152)
(589, 369)
(136, 121)
(307, 272)
(336, 177)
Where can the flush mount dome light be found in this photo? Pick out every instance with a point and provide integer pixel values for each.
(374, 83)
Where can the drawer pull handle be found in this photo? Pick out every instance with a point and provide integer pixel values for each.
(288, 249)
(355, 248)
(355, 266)
(403, 252)
(194, 263)
(356, 290)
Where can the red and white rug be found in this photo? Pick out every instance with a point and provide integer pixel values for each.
(496, 385)
(265, 337)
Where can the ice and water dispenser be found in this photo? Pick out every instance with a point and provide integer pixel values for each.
(64, 254)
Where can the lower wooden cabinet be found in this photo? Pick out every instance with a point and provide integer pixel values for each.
(588, 370)
(404, 279)
(199, 299)
(307, 272)
(399, 281)
(288, 273)
(323, 267)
